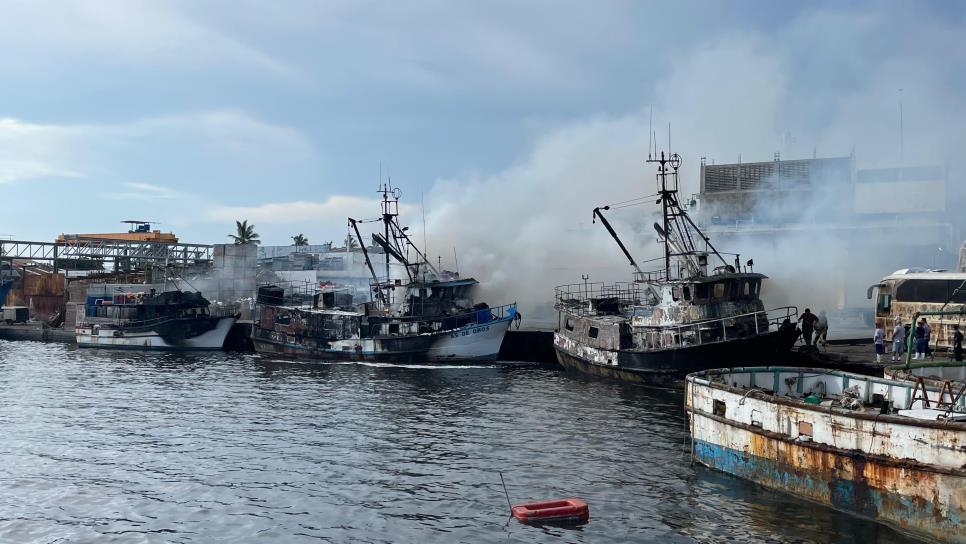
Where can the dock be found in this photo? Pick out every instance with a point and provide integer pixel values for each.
(524, 345)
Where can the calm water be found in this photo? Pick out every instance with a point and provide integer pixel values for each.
(104, 446)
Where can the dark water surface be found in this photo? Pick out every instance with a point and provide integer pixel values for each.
(101, 446)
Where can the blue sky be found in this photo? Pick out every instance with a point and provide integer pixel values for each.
(194, 114)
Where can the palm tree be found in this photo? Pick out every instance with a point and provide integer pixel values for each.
(300, 240)
(350, 242)
(244, 233)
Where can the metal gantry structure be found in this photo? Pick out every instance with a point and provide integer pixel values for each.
(117, 251)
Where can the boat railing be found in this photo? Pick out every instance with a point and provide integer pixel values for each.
(337, 326)
(476, 316)
(300, 293)
(723, 329)
(597, 298)
(225, 310)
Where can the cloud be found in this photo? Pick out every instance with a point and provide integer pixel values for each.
(526, 228)
(33, 151)
(128, 32)
(142, 191)
(335, 209)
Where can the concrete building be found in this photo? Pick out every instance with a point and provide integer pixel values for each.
(825, 230)
(321, 264)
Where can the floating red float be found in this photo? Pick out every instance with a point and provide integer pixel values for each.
(573, 510)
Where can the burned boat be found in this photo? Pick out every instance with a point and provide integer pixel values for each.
(882, 449)
(698, 312)
(428, 316)
(168, 320)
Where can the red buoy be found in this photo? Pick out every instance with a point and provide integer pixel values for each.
(572, 510)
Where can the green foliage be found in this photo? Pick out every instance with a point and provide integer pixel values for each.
(244, 233)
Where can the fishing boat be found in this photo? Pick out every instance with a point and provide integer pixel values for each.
(167, 320)
(882, 449)
(698, 311)
(427, 316)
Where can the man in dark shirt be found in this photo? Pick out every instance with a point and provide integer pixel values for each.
(807, 319)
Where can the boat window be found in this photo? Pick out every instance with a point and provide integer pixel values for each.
(701, 291)
(930, 291)
(733, 289)
(885, 303)
(719, 407)
(570, 324)
(593, 332)
(719, 290)
(747, 288)
(686, 291)
(394, 328)
(804, 428)
(676, 293)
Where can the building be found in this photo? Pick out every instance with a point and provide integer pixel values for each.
(825, 230)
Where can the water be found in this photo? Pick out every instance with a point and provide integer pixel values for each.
(102, 446)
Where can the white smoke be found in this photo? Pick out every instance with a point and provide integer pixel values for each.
(525, 229)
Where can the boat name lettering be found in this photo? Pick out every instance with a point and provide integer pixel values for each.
(468, 332)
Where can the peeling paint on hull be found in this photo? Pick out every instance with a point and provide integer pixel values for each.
(467, 344)
(669, 367)
(905, 472)
(843, 483)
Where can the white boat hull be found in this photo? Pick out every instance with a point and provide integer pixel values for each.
(108, 338)
(480, 342)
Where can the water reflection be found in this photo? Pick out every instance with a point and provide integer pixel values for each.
(161, 447)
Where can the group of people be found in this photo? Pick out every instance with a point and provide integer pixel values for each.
(814, 325)
(922, 337)
(817, 326)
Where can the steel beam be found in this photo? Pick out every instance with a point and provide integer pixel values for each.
(105, 249)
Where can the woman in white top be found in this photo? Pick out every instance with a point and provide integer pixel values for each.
(879, 340)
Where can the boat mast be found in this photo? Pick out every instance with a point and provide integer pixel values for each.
(667, 198)
(390, 209)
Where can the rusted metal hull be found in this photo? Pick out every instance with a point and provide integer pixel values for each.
(903, 472)
(932, 373)
(466, 344)
(669, 367)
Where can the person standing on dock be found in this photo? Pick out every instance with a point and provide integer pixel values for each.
(957, 343)
(879, 340)
(807, 319)
(898, 340)
(927, 334)
(920, 340)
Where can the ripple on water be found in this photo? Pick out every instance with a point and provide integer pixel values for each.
(153, 447)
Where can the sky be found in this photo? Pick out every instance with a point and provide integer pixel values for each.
(505, 120)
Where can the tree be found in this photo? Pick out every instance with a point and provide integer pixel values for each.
(244, 233)
(300, 240)
(350, 242)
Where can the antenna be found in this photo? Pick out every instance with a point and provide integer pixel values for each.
(422, 204)
(650, 128)
(505, 492)
(455, 258)
(901, 150)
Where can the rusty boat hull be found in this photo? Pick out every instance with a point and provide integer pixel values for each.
(471, 343)
(900, 470)
(669, 367)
